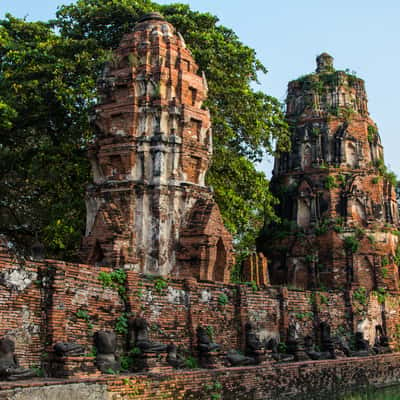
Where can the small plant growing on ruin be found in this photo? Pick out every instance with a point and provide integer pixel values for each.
(309, 258)
(37, 370)
(191, 362)
(351, 244)
(282, 348)
(360, 295)
(222, 299)
(316, 131)
(330, 182)
(111, 371)
(371, 239)
(341, 179)
(305, 315)
(381, 295)
(375, 180)
(253, 286)
(114, 280)
(214, 390)
(323, 298)
(372, 133)
(92, 353)
(133, 389)
(127, 362)
(210, 331)
(121, 325)
(83, 314)
(160, 284)
(135, 351)
(322, 228)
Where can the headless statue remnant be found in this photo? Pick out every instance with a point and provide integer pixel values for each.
(295, 345)
(381, 345)
(10, 369)
(139, 337)
(67, 349)
(327, 342)
(206, 348)
(254, 347)
(205, 344)
(362, 348)
(273, 345)
(236, 359)
(106, 344)
(174, 358)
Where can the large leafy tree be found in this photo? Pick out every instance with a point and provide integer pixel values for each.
(48, 134)
(46, 87)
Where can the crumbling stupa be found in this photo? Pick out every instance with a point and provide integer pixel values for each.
(337, 199)
(149, 207)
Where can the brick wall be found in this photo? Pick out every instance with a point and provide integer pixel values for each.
(45, 302)
(306, 380)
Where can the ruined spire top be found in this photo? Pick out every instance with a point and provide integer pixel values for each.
(152, 16)
(324, 63)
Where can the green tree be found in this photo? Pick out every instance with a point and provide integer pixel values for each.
(246, 123)
(46, 87)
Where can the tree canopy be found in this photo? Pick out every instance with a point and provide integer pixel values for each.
(48, 75)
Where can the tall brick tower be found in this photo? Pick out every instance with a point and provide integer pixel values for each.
(149, 208)
(337, 200)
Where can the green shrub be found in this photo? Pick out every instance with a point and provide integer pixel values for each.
(381, 295)
(126, 362)
(372, 133)
(330, 182)
(191, 362)
(160, 284)
(223, 299)
(323, 298)
(282, 348)
(351, 244)
(360, 295)
(210, 331)
(121, 325)
(115, 280)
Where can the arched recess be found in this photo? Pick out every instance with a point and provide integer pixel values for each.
(305, 198)
(307, 156)
(341, 134)
(97, 255)
(220, 261)
(205, 245)
(351, 154)
(303, 213)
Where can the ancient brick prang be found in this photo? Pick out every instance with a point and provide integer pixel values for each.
(149, 208)
(337, 199)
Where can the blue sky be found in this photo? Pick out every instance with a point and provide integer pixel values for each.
(287, 35)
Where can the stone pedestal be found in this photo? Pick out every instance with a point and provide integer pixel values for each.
(152, 362)
(213, 359)
(77, 366)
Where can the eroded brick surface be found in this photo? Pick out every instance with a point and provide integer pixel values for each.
(149, 207)
(335, 195)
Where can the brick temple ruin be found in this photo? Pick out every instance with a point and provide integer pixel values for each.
(149, 207)
(151, 314)
(335, 194)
